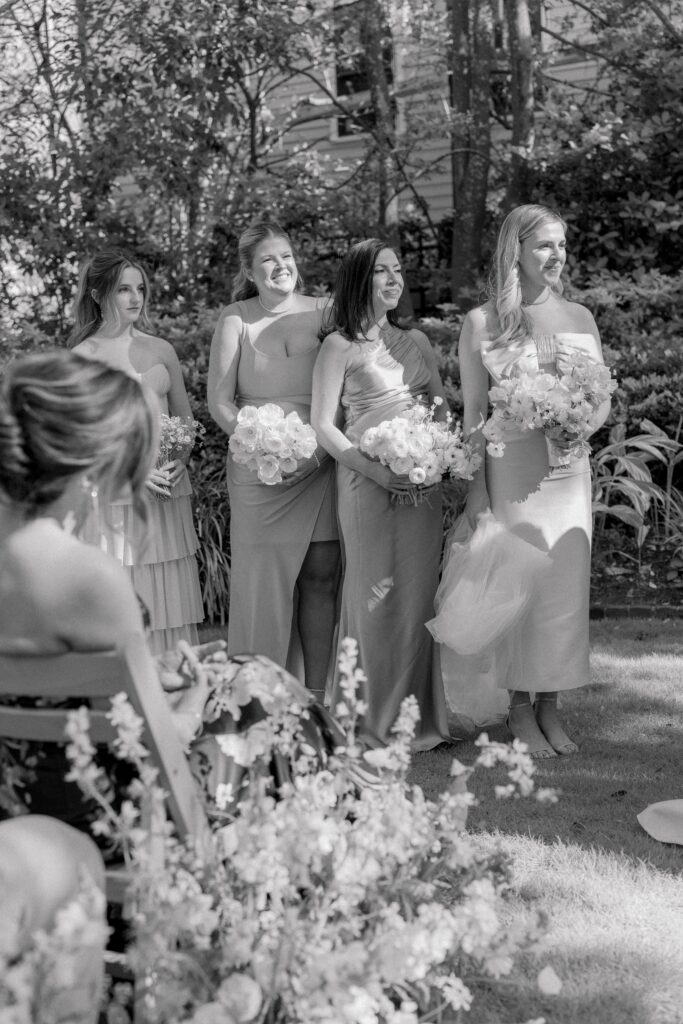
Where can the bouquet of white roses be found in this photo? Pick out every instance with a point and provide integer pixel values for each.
(177, 436)
(271, 443)
(564, 406)
(416, 445)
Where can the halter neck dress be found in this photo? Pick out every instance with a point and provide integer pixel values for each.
(273, 525)
(161, 560)
(391, 553)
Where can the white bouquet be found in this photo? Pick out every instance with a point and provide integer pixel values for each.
(177, 436)
(564, 406)
(416, 445)
(271, 443)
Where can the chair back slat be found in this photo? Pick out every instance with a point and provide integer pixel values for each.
(91, 676)
(96, 674)
(46, 725)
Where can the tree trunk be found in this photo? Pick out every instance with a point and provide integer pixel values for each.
(522, 83)
(472, 29)
(375, 38)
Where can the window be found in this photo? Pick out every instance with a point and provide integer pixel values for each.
(355, 47)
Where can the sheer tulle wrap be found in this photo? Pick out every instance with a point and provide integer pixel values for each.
(488, 580)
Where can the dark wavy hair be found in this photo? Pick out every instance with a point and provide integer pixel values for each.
(351, 312)
(62, 415)
(100, 274)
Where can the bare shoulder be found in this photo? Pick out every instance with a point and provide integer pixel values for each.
(336, 344)
(580, 317)
(159, 347)
(233, 310)
(309, 303)
(482, 319)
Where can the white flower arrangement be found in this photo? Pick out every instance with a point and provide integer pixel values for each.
(177, 438)
(416, 445)
(325, 901)
(564, 406)
(270, 443)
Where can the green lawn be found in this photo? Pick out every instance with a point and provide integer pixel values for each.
(613, 897)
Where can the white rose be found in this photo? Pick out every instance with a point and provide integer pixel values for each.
(248, 414)
(241, 996)
(271, 442)
(270, 414)
(401, 466)
(269, 470)
(417, 475)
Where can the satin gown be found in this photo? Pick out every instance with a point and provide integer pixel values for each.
(550, 509)
(273, 525)
(160, 559)
(391, 553)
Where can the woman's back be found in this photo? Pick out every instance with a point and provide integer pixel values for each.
(58, 594)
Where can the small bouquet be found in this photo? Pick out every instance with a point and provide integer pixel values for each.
(176, 439)
(562, 406)
(424, 449)
(271, 443)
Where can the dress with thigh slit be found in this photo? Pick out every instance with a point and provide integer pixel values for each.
(391, 553)
(273, 525)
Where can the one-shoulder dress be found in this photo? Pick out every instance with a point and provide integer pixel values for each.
(391, 553)
(551, 509)
(273, 525)
(161, 558)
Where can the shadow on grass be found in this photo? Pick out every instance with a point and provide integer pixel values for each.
(639, 993)
(631, 755)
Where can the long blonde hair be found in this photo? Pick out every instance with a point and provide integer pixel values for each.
(504, 284)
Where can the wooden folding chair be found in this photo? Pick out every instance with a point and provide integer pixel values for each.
(94, 677)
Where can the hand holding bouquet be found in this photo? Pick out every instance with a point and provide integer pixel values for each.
(564, 407)
(177, 437)
(425, 450)
(271, 443)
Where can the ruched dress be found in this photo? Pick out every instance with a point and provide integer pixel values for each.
(273, 525)
(551, 509)
(161, 558)
(391, 552)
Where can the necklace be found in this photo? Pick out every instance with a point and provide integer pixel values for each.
(267, 308)
(537, 303)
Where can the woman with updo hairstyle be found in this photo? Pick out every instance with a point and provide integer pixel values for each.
(283, 537)
(371, 370)
(527, 326)
(72, 432)
(109, 308)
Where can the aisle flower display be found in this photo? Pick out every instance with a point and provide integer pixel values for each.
(343, 897)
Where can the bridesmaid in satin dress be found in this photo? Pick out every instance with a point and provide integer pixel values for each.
(160, 556)
(283, 537)
(370, 370)
(528, 322)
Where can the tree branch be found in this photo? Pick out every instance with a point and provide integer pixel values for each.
(668, 24)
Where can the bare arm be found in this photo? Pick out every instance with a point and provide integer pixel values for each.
(223, 365)
(328, 382)
(475, 387)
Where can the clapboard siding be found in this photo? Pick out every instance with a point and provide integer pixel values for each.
(421, 84)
